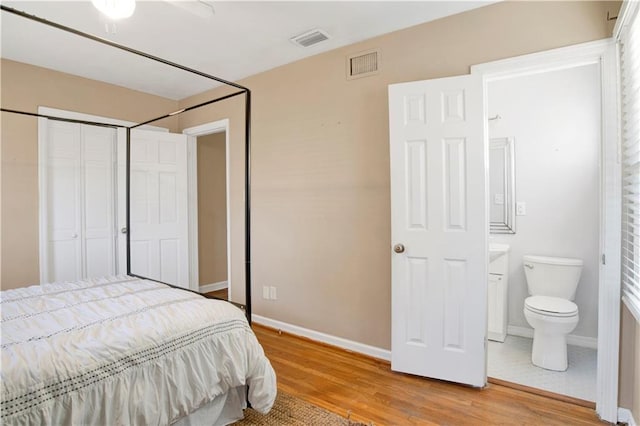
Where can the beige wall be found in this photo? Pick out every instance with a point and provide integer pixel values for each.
(320, 182)
(212, 208)
(629, 386)
(25, 87)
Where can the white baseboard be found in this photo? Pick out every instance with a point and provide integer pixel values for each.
(349, 345)
(572, 339)
(626, 416)
(207, 288)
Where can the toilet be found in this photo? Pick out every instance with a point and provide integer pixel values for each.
(552, 283)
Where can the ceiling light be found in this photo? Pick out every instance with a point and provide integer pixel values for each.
(115, 9)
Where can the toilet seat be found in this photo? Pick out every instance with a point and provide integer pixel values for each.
(551, 306)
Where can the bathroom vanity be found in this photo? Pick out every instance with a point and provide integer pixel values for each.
(498, 291)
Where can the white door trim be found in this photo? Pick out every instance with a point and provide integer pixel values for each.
(192, 173)
(604, 54)
(121, 264)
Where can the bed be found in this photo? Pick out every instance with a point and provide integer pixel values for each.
(124, 350)
(127, 349)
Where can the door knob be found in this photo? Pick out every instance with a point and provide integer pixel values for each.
(398, 248)
(124, 230)
(74, 235)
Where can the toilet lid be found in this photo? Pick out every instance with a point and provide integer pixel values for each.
(554, 306)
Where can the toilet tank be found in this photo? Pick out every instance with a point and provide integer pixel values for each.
(552, 276)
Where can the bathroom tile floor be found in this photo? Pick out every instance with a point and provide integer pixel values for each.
(511, 361)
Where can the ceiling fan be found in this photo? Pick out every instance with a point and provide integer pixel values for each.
(121, 9)
(115, 10)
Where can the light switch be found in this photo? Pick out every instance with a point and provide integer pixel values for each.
(521, 208)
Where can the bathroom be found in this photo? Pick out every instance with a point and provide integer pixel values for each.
(545, 155)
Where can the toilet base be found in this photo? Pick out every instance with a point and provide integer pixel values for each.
(549, 351)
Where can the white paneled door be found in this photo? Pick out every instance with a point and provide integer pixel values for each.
(439, 229)
(158, 194)
(78, 197)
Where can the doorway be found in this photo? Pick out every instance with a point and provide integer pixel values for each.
(552, 122)
(209, 225)
(212, 214)
(601, 55)
(419, 328)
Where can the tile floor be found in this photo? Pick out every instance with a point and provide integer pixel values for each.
(511, 361)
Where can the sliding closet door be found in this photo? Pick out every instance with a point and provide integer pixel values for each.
(77, 216)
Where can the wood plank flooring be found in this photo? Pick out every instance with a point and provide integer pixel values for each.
(220, 294)
(365, 389)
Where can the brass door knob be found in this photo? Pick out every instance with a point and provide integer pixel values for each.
(398, 248)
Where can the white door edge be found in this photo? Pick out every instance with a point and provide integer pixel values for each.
(604, 54)
(193, 133)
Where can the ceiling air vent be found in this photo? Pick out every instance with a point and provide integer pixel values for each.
(363, 64)
(310, 38)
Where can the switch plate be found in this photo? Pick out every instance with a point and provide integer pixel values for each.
(521, 208)
(265, 292)
(273, 293)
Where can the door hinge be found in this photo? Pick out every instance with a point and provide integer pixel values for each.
(604, 259)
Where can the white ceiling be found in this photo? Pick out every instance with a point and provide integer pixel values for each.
(242, 38)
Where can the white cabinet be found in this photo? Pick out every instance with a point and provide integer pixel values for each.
(498, 297)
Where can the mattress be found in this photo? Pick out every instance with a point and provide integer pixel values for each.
(122, 350)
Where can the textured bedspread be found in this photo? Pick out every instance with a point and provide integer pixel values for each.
(123, 351)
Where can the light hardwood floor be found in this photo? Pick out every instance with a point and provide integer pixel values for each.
(367, 390)
(220, 294)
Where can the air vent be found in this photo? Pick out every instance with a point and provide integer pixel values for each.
(310, 38)
(363, 64)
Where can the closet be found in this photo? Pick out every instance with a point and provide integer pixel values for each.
(77, 201)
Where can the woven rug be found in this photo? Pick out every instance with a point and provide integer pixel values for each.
(289, 410)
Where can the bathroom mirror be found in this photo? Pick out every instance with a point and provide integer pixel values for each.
(502, 211)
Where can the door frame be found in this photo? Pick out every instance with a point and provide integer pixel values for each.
(192, 179)
(603, 53)
(118, 176)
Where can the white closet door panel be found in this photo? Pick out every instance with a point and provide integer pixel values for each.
(97, 263)
(64, 261)
(80, 201)
(98, 149)
(64, 209)
(64, 215)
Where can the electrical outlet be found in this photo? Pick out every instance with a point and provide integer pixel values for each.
(273, 293)
(521, 208)
(265, 292)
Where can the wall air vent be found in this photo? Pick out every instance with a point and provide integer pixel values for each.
(363, 64)
(310, 38)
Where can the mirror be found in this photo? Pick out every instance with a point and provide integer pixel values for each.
(502, 192)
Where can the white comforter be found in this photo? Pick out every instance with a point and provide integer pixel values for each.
(121, 350)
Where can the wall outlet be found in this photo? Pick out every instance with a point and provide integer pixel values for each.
(273, 293)
(521, 208)
(265, 292)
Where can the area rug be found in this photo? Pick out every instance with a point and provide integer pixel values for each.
(291, 411)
